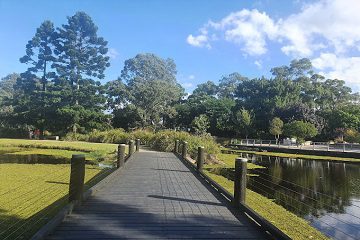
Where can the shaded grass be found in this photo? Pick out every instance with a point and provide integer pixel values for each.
(292, 225)
(291, 155)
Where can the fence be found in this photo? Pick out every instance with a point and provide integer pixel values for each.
(316, 146)
(291, 195)
(40, 198)
(238, 199)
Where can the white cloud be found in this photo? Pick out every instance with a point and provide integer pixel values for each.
(191, 77)
(345, 68)
(325, 24)
(246, 28)
(198, 41)
(258, 63)
(112, 53)
(325, 30)
(331, 24)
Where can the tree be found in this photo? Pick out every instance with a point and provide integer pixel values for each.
(201, 124)
(208, 88)
(276, 127)
(7, 91)
(300, 130)
(228, 85)
(81, 57)
(32, 101)
(148, 82)
(243, 121)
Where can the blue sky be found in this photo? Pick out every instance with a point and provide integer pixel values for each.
(207, 39)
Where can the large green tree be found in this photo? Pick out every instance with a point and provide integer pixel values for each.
(32, 99)
(149, 84)
(82, 60)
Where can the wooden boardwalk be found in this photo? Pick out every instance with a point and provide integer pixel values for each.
(155, 196)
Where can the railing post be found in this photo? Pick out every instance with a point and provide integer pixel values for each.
(344, 147)
(131, 147)
(240, 182)
(328, 147)
(200, 159)
(176, 147)
(121, 156)
(77, 174)
(184, 150)
(137, 145)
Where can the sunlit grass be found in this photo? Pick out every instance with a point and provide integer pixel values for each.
(28, 189)
(292, 225)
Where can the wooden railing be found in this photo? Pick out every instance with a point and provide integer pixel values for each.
(238, 199)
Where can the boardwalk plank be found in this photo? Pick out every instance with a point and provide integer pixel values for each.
(156, 197)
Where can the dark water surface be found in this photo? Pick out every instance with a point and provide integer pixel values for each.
(324, 192)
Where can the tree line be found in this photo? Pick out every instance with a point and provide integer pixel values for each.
(61, 92)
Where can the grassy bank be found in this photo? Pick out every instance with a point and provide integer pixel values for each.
(30, 194)
(92, 151)
(290, 155)
(292, 225)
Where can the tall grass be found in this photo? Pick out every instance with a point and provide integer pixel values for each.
(161, 141)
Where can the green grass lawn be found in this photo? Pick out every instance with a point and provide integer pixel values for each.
(30, 194)
(292, 225)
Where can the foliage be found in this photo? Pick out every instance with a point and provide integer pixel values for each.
(145, 93)
(243, 121)
(201, 124)
(276, 127)
(165, 141)
(352, 136)
(300, 130)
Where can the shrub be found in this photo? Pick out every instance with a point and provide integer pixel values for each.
(144, 135)
(351, 135)
(165, 141)
(76, 137)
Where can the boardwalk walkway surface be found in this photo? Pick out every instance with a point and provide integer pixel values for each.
(155, 196)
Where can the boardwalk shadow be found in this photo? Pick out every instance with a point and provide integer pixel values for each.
(186, 200)
(121, 221)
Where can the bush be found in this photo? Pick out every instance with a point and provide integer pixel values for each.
(165, 141)
(161, 141)
(144, 135)
(351, 135)
(14, 133)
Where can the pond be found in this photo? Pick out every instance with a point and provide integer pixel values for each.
(324, 192)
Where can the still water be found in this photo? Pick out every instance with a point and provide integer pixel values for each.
(324, 192)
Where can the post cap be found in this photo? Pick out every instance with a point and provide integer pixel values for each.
(185, 142)
(77, 156)
(201, 147)
(241, 159)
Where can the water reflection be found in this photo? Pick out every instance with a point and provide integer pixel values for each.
(326, 193)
